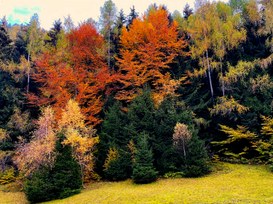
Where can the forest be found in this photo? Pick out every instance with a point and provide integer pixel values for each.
(136, 97)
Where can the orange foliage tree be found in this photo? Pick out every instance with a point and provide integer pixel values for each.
(148, 48)
(75, 69)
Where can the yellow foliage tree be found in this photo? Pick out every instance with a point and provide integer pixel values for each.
(81, 138)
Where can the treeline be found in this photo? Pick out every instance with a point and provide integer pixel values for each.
(135, 96)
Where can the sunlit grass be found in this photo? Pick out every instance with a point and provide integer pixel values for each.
(9, 195)
(231, 184)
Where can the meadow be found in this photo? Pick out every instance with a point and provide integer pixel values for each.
(228, 183)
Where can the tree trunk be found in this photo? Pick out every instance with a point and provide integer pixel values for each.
(109, 57)
(28, 71)
(222, 80)
(209, 74)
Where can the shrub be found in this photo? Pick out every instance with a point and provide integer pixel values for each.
(174, 175)
(7, 176)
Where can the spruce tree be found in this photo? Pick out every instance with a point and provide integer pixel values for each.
(196, 163)
(143, 169)
(63, 180)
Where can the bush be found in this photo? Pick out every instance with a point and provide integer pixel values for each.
(7, 176)
(174, 175)
(63, 180)
(143, 169)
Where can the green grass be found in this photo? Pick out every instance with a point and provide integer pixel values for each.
(230, 184)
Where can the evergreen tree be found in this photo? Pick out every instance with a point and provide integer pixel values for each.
(63, 180)
(196, 163)
(5, 45)
(143, 170)
(118, 165)
(167, 115)
(112, 133)
(132, 15)
(53, 33)
(141, 116)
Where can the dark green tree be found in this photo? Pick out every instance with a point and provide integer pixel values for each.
(53, 33)
(132, 15)
(143, 169)
(196, 163)
(63, 180)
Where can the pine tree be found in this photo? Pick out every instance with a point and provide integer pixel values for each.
(143, 170)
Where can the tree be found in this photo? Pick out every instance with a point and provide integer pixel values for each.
(80, 138)
(107, 21)
(214, 30)
(197, 161)
(143, 170)
(40, 151)
(60, 181)
(181, 137)
(5, 45)
(148, 48)
(131, 17)
(76, 70)
(68, 24)
(53, 33)
(187, 12)
(34, 44)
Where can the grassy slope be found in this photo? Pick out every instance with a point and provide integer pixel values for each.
(233, 184)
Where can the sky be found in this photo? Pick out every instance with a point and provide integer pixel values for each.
(20, 11)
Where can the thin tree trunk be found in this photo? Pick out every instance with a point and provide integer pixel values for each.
(109, 58)
(209, 74)
(222, 80)
(184, 149)
(28, 71)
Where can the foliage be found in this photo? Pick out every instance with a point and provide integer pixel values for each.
(143, 170)
(7, 176)
(63, 180)
(181, 137)
(79, 65)
(40, 151)
(80, 138)
(148, 48)
(226, 106)
(117, 165)
(196, 163)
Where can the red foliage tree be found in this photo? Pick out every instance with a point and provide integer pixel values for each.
(76, 69)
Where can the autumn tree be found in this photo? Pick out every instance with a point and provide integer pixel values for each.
(181, 137)
(82, 139)
(40, 151)
(148, 48)
(76, 69)
(214, 30)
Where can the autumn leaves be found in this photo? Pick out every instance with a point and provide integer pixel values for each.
(77, 67)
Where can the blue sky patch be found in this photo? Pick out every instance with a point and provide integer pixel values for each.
(22, 15)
